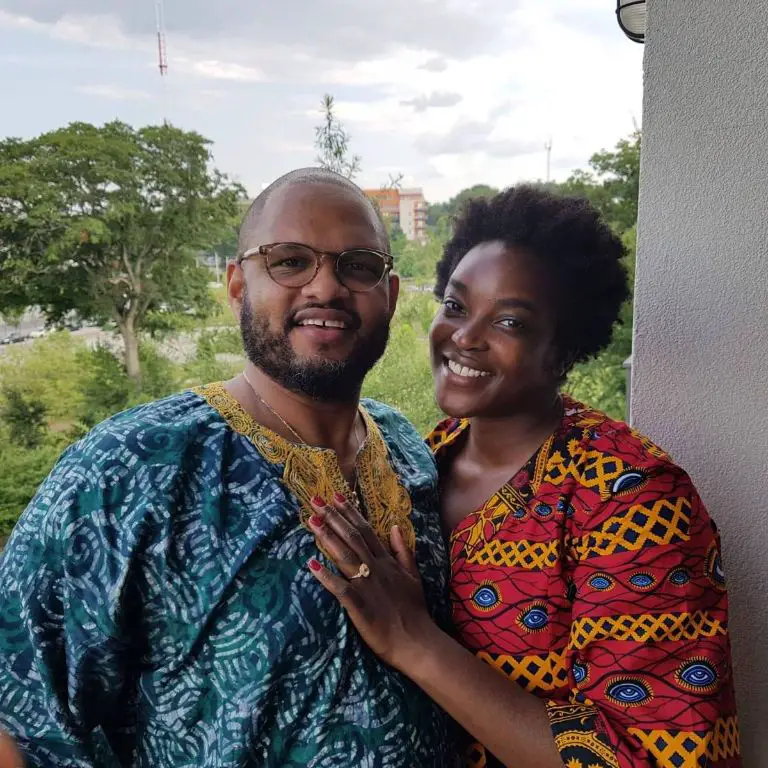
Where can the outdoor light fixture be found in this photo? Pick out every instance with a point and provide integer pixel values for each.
(631, 16)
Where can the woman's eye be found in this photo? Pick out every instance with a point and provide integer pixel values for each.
(451, 305)
(511, 322)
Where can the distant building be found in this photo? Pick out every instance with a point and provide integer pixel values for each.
(405, 207)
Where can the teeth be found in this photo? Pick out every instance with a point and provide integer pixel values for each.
(462, 370)
(324, 323)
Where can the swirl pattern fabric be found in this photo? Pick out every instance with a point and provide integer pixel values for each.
(156, 609)
(593, 579)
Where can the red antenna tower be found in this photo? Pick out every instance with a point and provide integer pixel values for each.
(162, 52)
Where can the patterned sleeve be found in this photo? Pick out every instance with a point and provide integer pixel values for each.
(53, 636)
(649, 655)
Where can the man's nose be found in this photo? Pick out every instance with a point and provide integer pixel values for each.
(325, 285)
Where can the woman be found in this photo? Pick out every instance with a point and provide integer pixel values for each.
(584, 567)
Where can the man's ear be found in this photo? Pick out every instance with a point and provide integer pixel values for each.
(235, 287)
(394, 293)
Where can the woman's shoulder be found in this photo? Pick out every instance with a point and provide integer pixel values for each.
(590, 433)
(445, 432)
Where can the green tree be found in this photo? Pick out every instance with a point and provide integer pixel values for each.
(449, 209)
(25, 417)
(332, 143)
(417, 260)
(105, 222)
(602, 382)
(612, 184)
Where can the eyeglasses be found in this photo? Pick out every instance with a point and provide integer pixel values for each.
(293, 265)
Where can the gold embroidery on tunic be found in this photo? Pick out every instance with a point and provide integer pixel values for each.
(309, 471)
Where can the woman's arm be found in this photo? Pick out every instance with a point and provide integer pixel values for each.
(508, 721)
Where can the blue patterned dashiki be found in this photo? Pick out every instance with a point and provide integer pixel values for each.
(156, 608)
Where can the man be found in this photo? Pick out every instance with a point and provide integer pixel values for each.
(156, 608)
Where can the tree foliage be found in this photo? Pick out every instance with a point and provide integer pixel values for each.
(25, 417)
(447, 210)
(105, 222)
(612, 182)
(53, 390)
(332, 143)
(419, 260)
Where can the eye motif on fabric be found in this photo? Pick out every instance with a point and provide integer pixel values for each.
(535, 618)
(602, 582)
(698, 675)
(486, 597)
(679, 577)
(628, 691)
(642, 581)
(580, 672)
(714, 567)
(629, 481)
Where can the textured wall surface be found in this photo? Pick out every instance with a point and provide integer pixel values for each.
(700, 359)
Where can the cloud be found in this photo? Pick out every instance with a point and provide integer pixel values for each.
(341, 30)
(114, 92)
(469, 136)
(220, 70)
(436, 99)
(435, 64)
(450, 92)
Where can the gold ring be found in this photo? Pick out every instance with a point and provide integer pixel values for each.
(363, 572)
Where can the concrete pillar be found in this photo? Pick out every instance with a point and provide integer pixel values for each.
(700, 356)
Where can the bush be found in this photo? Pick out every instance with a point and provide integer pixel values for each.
(47, 371)
(403, 376)
(23, 471)
(106, 389)
(25, 417)
(205, 367)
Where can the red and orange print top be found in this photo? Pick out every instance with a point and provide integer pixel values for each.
(593, 579)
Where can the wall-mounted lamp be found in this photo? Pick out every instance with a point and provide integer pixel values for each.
(631, 16)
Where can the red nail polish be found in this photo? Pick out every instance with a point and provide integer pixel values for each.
(340, 497)
(318, 501)
(315, 565)
(317, 521)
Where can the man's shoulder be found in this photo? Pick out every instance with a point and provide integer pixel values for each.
(156, 429)
(393, 424)
(401, 437)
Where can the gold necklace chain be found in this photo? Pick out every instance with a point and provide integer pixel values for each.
(286, 424)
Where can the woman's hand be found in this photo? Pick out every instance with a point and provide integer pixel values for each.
(389, 611)
(381, 593)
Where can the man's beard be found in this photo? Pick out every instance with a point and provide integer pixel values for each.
(318, 378)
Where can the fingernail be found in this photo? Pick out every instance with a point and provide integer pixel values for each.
(315, 565)
(340, 497)
(317, 521)
(318, 501)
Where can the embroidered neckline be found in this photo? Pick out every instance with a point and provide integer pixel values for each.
(310, 470)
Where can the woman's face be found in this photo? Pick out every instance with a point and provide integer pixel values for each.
(492, 341)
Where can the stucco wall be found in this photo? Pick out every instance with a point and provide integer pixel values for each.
(700, 359)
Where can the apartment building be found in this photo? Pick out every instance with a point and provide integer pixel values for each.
(405, 207)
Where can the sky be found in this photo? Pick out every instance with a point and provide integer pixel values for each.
(449, 93)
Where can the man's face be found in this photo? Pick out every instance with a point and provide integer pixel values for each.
(325, 363)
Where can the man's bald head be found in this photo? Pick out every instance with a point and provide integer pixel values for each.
(309, 177)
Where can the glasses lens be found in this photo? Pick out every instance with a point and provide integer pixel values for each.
(291, 265)
(361, 270)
